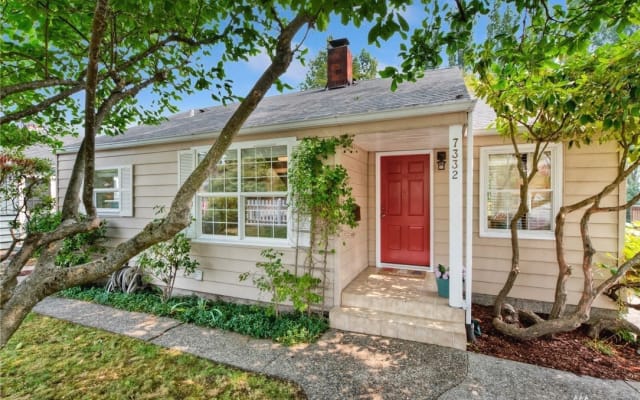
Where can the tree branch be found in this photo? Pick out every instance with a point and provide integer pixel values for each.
(633, 262)
(41, 84)
(67, 22)
(31, 243)
(40, 106)
(90, 126)
(118, 95)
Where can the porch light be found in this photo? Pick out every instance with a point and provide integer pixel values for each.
(441, 160)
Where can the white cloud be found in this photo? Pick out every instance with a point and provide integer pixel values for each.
(294, 75)
(260, 62)
(413, 14)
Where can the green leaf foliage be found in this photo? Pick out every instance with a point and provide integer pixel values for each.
(321, 190)
(253, 320)
(283, 285)
(164, 260)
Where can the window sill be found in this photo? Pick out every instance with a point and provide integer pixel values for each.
(276, 244)
(545, 235)
(108, 213)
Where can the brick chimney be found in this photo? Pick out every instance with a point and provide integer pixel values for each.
(339, 68)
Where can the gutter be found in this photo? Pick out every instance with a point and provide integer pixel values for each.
(374, 116)
(468, 270)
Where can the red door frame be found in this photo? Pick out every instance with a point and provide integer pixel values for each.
(382, 256)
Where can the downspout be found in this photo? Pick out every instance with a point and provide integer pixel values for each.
(468, 261)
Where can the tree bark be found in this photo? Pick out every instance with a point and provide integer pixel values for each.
(539, 329)
(91, 126)
(613, 326)
(564, 269)
(513, 226)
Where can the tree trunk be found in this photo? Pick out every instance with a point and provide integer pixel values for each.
(564, 269)
(513, 226)
(539, 329)
(613, 326)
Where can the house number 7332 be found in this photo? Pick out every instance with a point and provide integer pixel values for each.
(455, 157)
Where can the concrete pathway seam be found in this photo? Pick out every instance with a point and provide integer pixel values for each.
(634, 385)
(462, 381)
(152, 338)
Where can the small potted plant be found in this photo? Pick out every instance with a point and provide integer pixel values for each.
(442, 280)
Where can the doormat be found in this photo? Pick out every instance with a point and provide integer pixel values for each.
(406, 273)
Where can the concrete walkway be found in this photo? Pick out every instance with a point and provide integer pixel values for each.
(344, 365)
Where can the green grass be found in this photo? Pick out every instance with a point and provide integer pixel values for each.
(51, 359)
(252, 320)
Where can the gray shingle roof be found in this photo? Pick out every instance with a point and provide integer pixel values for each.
(483, 116)
(437, 87)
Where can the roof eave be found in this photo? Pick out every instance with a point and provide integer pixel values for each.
(374, 116)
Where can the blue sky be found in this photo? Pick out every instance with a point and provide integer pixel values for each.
(245, 74)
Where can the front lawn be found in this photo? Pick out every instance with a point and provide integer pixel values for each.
(52, 359)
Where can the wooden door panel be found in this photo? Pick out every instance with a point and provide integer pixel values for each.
(416, 198)
(405, 216)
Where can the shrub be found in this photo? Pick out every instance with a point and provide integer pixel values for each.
(166, 258)
(283, 285)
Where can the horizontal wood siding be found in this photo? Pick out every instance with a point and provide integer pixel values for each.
(586, 171)
(352, 246)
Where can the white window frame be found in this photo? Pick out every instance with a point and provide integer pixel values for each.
(124, 191)
(556, 150)
(241, 238)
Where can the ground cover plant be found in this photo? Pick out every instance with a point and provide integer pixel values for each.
(52, 359)
(252, 320)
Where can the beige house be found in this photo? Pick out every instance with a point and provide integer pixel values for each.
(433, 180)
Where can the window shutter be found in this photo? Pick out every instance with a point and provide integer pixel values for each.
(126, 190)
(186, 165)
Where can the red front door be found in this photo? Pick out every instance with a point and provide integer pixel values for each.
(404, 210)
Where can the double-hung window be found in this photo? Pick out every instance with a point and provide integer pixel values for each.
(245, 196)
(112, 191)
(500, 191)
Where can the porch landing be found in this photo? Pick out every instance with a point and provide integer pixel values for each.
(400, 307)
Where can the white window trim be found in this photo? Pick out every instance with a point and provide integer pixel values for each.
(123, 191)
(199, 237)
(557, 180)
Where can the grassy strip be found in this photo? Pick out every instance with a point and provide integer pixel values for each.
(252, 320)
(52, 359)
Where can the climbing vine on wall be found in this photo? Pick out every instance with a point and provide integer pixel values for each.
(321, 198)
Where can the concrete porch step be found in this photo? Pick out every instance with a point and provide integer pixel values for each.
(381, 323)
(397, 295)
(431, 307)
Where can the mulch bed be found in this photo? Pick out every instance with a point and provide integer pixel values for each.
(567, 351)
